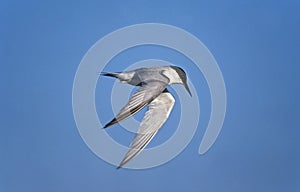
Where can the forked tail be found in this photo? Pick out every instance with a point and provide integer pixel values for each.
(116, 75)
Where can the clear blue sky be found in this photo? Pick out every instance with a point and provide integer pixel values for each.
(256, 44)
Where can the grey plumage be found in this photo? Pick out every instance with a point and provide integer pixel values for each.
(153, 82)
(156, 115)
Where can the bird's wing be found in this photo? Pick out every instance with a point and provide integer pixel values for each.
(158, 112)
(144, 95)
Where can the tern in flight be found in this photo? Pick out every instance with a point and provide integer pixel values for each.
(153, 82)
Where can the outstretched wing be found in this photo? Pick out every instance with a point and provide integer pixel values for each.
(140, 99)
(158, 112)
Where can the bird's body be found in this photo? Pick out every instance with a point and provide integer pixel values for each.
(166, 74)
(153, 82)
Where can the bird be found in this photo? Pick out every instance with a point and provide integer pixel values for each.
(152, 92)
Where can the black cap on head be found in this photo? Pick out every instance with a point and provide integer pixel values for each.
(183, 77)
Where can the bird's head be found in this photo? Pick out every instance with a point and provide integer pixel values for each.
(181, 78)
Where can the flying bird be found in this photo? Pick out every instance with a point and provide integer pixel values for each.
(153, 82)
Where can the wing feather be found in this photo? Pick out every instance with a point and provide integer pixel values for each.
(139, 100)
(157, 114)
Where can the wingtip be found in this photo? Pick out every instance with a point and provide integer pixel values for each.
(118, 168)
(121, 165)
(104, 127)
(112, 122)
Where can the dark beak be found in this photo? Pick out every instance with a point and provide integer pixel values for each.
(187, 88)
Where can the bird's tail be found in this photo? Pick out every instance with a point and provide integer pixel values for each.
(116, 75)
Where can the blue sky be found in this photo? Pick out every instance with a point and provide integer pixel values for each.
(256, 44)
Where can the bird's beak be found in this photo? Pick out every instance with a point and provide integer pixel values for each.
(187, 88)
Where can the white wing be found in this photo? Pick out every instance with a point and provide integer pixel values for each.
(158, 112)
(140, 99)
